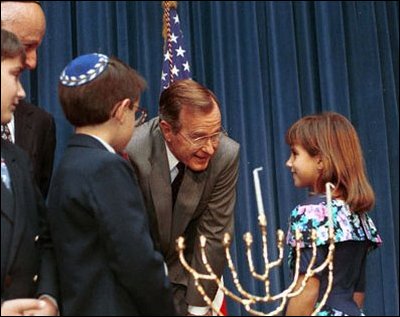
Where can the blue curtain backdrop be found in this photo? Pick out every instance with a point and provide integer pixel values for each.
(269, 63)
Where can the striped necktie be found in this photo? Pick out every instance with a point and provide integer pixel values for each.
(5, 133)
(176, 184)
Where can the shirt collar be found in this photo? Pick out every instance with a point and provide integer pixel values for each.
(105, 144)
(172, 160)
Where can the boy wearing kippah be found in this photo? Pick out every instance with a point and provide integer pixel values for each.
(107, 261)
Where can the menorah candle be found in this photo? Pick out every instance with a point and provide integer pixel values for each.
(328, 191)
(257, 186)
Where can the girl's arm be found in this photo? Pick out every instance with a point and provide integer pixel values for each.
(303, 304)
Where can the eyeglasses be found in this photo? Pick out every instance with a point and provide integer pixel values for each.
(203, 140)
(140, 116)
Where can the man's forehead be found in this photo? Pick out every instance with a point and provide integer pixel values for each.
(20, 11)
(29, 30)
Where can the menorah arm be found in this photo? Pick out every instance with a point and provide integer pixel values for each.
(180, 249)
(331, 250)
(211, 276)
(206, 298)
(248, 239)
(309, 272)
(280, 237)
(249, 297)
(287, 291)
(196, 275)
(272, 313)
(330, 278)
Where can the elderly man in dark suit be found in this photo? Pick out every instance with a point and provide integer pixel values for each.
(186, 145)
(31, 128)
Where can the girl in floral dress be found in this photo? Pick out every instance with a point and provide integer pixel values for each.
(325, 148)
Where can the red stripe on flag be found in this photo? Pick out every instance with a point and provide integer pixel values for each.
(224, 308)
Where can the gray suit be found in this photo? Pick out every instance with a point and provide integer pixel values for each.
(204, 206)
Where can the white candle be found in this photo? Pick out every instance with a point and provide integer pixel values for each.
(257, 186)
(328, 187)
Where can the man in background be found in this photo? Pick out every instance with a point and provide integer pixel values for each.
(31, 128)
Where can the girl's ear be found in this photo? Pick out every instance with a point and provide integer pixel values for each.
(320, 162)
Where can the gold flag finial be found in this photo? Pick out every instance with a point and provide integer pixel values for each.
(171, 4)
(166, 6)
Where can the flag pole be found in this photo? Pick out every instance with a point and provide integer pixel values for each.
(168, 5)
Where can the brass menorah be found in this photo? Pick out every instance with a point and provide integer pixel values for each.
(245, 298)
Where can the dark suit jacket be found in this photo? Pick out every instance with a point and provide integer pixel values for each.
(35, 132)
(107, 261)
(204, 205)
(27, 258)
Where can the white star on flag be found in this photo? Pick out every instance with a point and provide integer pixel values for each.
(180, 51)
(174, 38)
(167, 57)
(175, 70)
(186, 66)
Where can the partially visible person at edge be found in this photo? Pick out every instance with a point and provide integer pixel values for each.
(27, 262)
(325, 148)
(107, 261)
(188, 169)
(31, 128)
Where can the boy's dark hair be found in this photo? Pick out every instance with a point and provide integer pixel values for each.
(93, 102)
(11, 46)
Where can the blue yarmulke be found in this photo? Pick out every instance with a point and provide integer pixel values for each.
(84, 69)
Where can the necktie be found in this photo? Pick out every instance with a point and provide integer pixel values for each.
(177, 182)
(5, 176)
(5, 133)
(124, 155)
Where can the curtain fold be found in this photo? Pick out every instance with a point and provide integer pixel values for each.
(269, 63)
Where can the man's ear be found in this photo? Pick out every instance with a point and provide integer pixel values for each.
(166, 129)
(120, 109)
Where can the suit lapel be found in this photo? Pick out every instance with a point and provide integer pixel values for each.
(7, 203)
(23, 125)
(160, 188)
(19, 217)
(186, 204)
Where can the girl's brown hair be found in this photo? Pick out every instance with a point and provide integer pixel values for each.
(334, 138)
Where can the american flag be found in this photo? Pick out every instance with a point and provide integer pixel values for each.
(176, 56)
